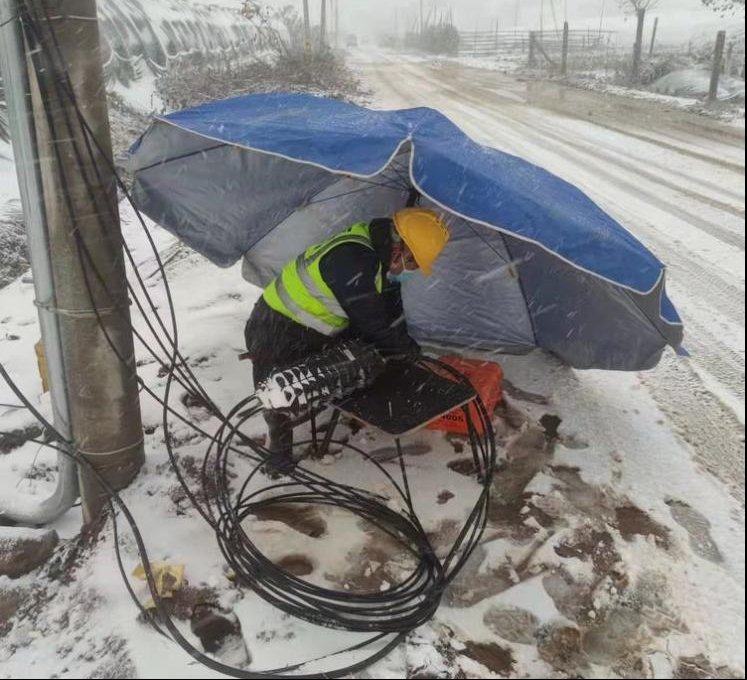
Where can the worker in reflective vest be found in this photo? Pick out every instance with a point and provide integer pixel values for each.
(347, 287)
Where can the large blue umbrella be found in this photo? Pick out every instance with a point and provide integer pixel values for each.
(533, 261)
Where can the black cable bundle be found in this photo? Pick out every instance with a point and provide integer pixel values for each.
(400, 609)
(387, 615)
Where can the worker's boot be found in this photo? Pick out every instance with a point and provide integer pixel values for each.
(280, 461)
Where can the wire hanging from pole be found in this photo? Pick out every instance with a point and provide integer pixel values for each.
(390, 614)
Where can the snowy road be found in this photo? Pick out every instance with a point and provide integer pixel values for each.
(674, 179)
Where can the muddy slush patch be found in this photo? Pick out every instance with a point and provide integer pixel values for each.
(494, 657)
(191, 401)
(444, 497)
(463, 466)
(699, 530)
(586, 499)
(589, 544)
(382, 563)
(632, 521)
(551, 424)
(388, 453)
(474, 586)
(304, 519)
(560, 646)
(297, 565)
(14, 439)
(513, 518)
(618, 640)
(527, 454)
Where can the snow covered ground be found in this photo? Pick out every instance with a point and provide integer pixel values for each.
(611, 551)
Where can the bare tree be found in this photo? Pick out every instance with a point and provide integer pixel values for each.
(639, 7)
(635, 6)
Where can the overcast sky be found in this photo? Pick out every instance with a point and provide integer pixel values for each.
(679, 19)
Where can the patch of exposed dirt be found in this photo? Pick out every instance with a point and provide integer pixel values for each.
(302, 518)
(560, 646)
(444, 497)
(380, 564)
(495, 658)
(464, 466)
(14, 439)
(632, 521)
(298, 565)
(588, 543)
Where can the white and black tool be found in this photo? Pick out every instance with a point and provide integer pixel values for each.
(333, 374)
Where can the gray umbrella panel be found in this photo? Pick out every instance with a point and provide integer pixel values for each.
(490, 291)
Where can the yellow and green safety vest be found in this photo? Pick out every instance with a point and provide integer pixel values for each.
(301, 294)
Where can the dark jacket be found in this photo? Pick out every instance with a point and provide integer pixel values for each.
(350, 270)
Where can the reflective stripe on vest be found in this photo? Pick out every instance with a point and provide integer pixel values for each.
(301, 293)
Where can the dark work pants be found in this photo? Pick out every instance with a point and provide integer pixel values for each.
(275, 342)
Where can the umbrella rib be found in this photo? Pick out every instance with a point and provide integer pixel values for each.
(487, 243)
(163, 162)
(402, 177)
(348, 193)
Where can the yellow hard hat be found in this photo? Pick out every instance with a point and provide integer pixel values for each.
(424, 233)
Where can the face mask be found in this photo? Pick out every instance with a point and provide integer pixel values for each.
(404, 275)
(401, 277)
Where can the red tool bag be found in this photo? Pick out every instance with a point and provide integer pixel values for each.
(487, 379)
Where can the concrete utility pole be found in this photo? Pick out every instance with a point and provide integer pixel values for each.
(718, 63)
(306, 26)
(638, 49)
(653, 37)
(532, 48)
(422, 18)
(80, 203)
(564, 62)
